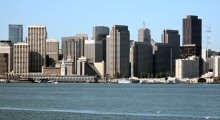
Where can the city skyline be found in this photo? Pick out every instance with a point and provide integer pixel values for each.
(63, 20)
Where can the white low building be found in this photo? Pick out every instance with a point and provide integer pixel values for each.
(187, 68)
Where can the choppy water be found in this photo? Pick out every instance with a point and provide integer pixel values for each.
(109, 101)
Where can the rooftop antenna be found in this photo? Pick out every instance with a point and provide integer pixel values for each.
(144, 25)
(208, 40)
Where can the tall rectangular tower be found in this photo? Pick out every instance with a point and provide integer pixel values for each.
(141, 59)
(117, 51)
(172, 38)
(15, 33)
(144, 35)
(37, 36)
(6, 47)
(99, 34)
(192, 30)
(74, 46)
(21, 59)
(52, 51)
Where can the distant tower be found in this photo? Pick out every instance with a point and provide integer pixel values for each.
(117, 51)
(63, 68)
(208, 41)
(144, 34)
(15, 33)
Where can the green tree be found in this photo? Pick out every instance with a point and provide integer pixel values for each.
(117, 75)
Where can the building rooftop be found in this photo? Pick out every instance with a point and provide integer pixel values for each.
(52, 40)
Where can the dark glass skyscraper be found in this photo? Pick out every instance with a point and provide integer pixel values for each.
(192, 30)
(192, 39)
(15, 33)
(192, 36)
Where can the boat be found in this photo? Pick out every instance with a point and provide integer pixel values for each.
(55, 82)
(124, 81)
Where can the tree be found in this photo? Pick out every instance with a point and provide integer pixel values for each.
(152, 75)
(117, 75)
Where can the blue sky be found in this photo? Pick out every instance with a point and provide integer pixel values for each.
(69, 17)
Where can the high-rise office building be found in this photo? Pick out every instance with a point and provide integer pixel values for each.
(141, 59)
(74, 46)
(99, 34)
(52, 51)
(144, 35)
(192, 36)
(3, 65)
(117, 51)
(172, 38)
(93, 50)
(37, 36)
(15, 33)
(162, 58)
(6, 47)
(192, 30)
(21, 59)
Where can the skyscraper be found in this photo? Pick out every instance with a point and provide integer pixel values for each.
(117, 51)
(192, 30)
(192, 39)
(172, 38)
(52, 51)
(141, 59)
(99, 34)
(6, 47)
(15, 33)
(162, 58)
(144, 35)
(21, 59)
(74, 46)
(93, 50)
(37, 36)
(3, 65)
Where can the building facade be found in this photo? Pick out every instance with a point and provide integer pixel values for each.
(3, 65)
(141, 59)
(216, 66)
(99, 34)
(15, 33)
(117, 51)
(144, 35)
(36, 40)
(74, 46)
(21, 59)
(187, 68)
(172, 38)
(192, 30)
(52, 52)
(69, 65)
(7, 47)
(94, 50)
(162, 58)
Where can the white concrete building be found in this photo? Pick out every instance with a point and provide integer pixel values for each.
(187, 68)
(36, 40)
(21, 59)
(216, 66)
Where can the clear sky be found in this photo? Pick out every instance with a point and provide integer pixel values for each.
(69, 17)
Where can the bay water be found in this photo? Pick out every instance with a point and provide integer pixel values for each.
(28, 101)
